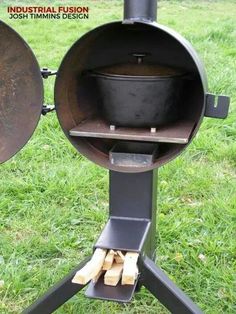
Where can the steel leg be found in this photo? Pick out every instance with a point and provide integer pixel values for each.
(57, 295)
(174, 299)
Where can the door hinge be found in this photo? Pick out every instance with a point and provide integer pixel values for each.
(47, 108)
(47, 72)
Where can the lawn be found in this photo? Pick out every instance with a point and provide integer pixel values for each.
(54, 202)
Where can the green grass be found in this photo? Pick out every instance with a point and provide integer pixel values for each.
(54, 202)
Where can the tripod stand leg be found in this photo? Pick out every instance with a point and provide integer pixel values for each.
(57, 295)
(174, 299)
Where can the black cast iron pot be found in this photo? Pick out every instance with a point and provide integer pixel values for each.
(139, 94)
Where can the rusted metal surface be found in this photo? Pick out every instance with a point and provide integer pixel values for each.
(178, 132)
(21, 92)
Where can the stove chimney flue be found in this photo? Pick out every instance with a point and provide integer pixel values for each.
(144, 10)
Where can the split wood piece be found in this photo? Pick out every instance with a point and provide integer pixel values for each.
(96, 278)
(109, 260)
(113, 275)
(129, 279)
(119, 257)
(130, 271)
(91, 269)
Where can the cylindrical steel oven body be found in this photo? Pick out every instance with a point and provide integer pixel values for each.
(77, 96)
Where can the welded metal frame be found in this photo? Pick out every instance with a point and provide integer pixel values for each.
(132, 200)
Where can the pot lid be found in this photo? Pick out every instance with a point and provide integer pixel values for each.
(131, 69)
(21, 92)
(140, 68)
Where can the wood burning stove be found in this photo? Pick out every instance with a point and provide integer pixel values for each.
(128, 116)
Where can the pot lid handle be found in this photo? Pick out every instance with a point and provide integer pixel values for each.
(140, 56)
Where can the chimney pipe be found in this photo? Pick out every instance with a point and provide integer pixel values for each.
(136, 10)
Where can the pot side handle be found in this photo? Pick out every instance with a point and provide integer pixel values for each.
(219, 109)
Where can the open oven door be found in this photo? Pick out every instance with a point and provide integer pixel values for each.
(21, 92)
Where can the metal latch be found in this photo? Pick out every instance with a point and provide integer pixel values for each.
(217, 109)
(47, 72)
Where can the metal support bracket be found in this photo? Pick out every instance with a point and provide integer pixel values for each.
(217, 109)
(47, 72)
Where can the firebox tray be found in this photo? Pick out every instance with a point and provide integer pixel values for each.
(178, 132)
(118, 294)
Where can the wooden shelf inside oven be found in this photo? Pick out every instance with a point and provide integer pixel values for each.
(178, 132)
